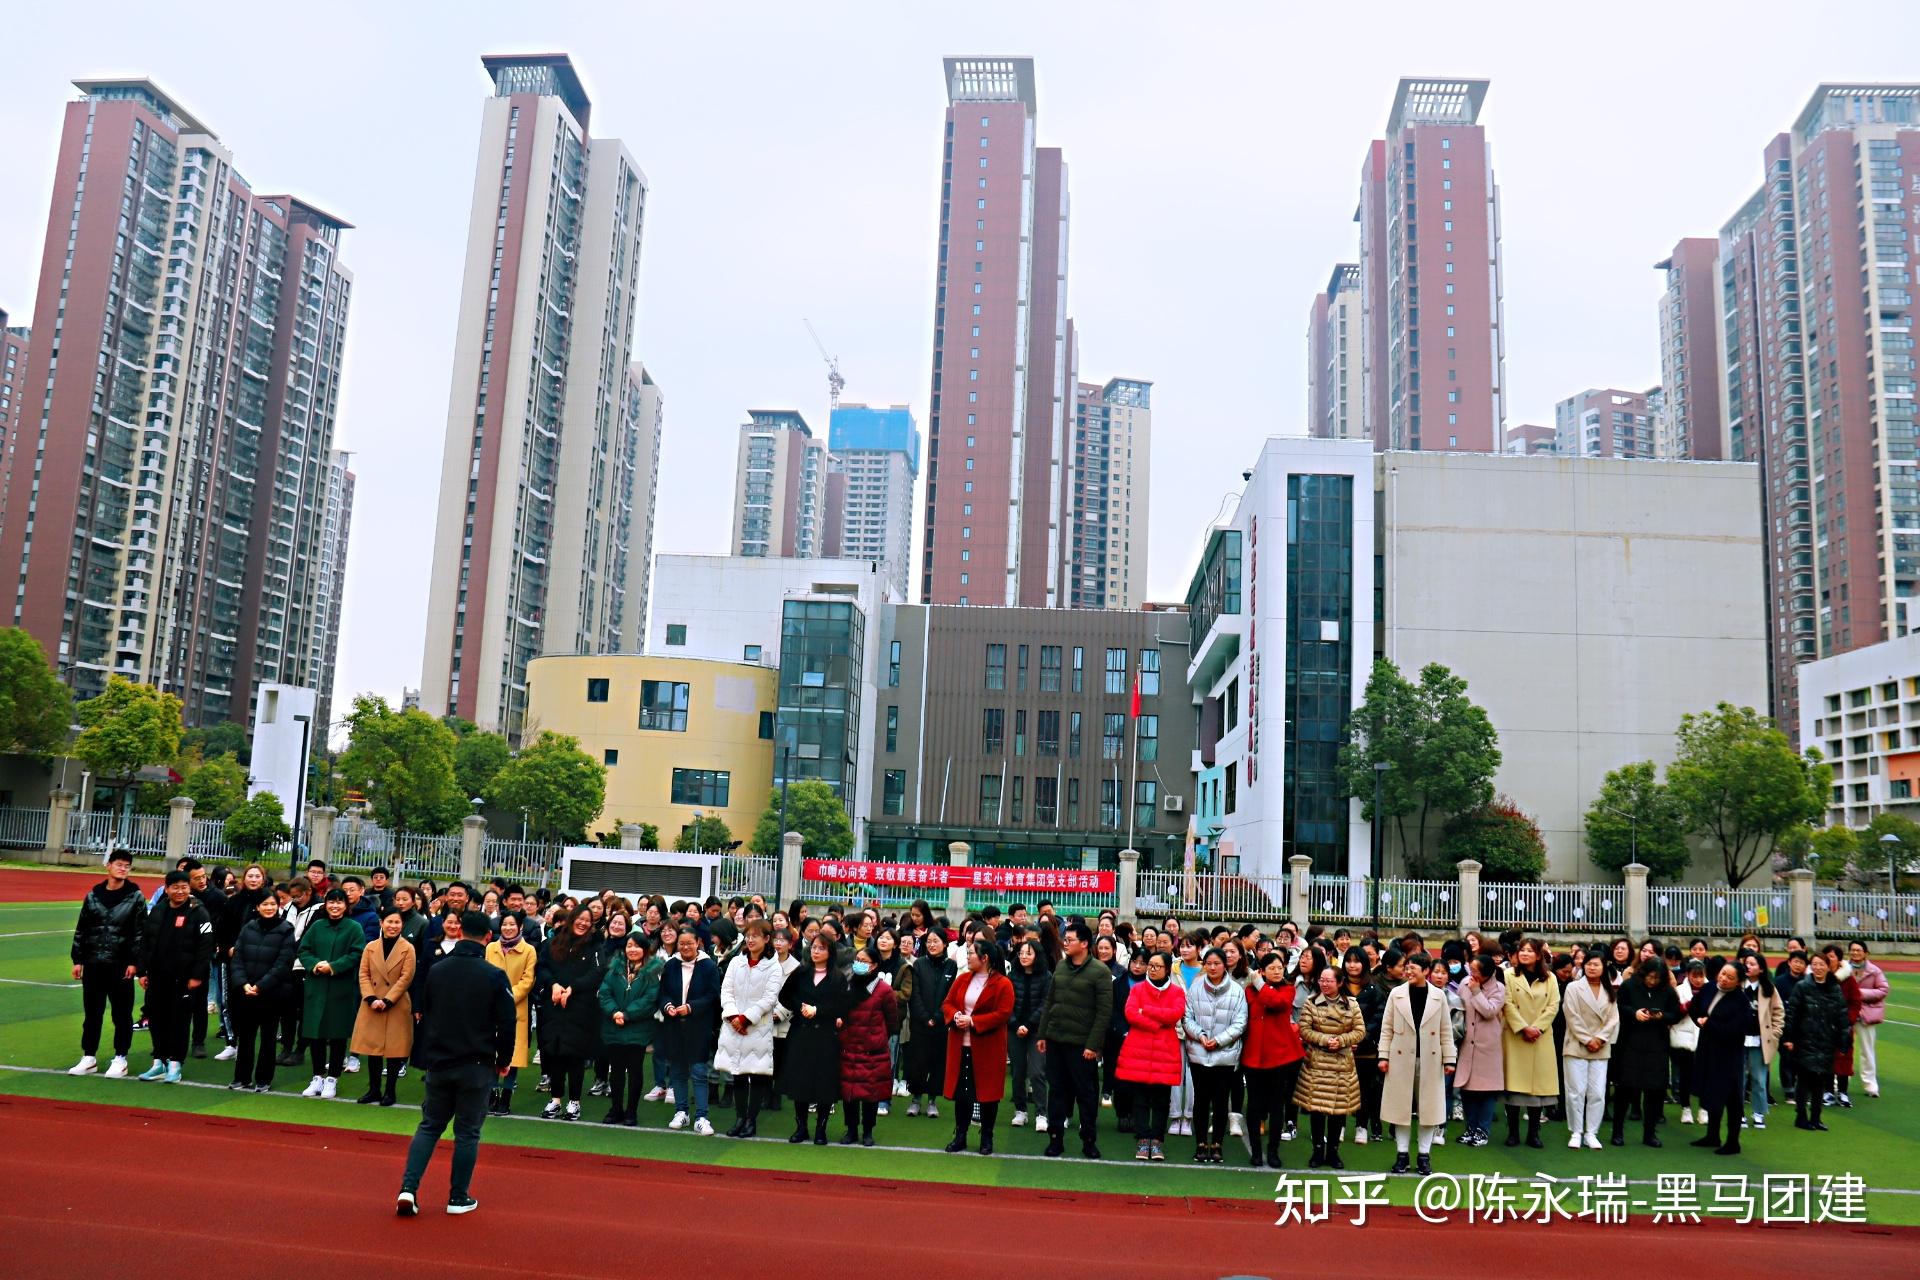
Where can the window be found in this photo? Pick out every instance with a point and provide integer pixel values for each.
(1046, 733)
(663, 705)
(1079, 666)
(1233, 789)
(990, 797)
(1901, 789)
(993, 730)
(893, 665)
(1113, 734)
(750, 653)
(1233, 703)
(1073, 735)
(1149, 672)
(1116, 671)
(1146, 799)
(1046, 800)
(893, 792)
(702, 787)
(1073, 802)
(766, 726)
(1020, 733)
(1019, 795)
(610, 757)
(996, 666)
(1146, 736)
(893, 728)
(1020, 671)
(596, 690)
(1109, 803)
(1049, 668)
(676, 633)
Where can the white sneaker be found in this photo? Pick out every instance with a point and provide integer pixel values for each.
(87, 1065)
(1440, 1138)
(883, 1109)
(1019, 1119)
(1236, 1125)
(933, 1110)
(1593, 1142)
(1106, 1099)
(1686, 1115)
(1573, 1143)
(330, 1087)
(703, 1128)
(1039, 1124)
(671, 1100)
(900, 1089)
(1759, 1122)
(353, 1063)
(655, 1094)
(227, 1054)
(913, 1108)
(1360, 1136)
(313, 1088)
(679, 1120)
(116, 1070)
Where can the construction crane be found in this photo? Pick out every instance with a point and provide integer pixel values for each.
(835, 383)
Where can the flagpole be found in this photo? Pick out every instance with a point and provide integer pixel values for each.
(1133, 764)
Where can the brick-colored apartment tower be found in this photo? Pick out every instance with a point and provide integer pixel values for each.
(1606, 422)
(1003, 376)
(13, 380)
(1335, 401)
(1689, 351)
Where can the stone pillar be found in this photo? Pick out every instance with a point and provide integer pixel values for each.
(1800, 908)
(958, 854)
(320, 819)
(791, 881)
(1128, 883)
(1299, 884)
(473, 842)
(59, 811)
(1637, 917)
(1469, 894)
(630, 835)
(179, 828)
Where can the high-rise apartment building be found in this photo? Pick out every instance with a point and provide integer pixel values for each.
(1003, 373)
(1689, 425)
(1606, 422)
(530, 552)
(875, 457)
(1429, 215)
(1530, 437)
(330, 575)
(1816, 340)
(166, 494)
(13, 380)
(646, 410)
(780, 487)
(1335, 409)
(1106, 552)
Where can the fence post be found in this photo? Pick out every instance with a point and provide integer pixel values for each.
(958, 854)
(473, 840)
(790, 878)
(320, 819)
(179, 828)
(629, 835)
(1129, 883)
(1800, 905)
(1469, 894)
(1300, 870)
(59, 811)
(1637, 917)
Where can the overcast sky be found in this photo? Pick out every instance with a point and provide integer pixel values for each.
(793, 154)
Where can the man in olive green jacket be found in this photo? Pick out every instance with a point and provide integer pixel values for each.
(1078, 1010)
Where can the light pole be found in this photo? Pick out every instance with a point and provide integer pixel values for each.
(1633, 830)
(1890, 843)
(1380, 768)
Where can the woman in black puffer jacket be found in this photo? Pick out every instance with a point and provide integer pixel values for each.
(259, 980)
(1032, 986)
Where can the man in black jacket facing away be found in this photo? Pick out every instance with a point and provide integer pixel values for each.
(106, 955)
(466, 1045)
(174, 959)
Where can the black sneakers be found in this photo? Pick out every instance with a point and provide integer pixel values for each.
(465, 1204)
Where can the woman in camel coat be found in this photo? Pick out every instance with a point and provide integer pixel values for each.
(1407, 1044)
(514, 956)
(383, 1028)
(1331, 1026)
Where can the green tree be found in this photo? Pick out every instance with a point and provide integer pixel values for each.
(560, 787)
(1634, 817)
(1441, 747)
(36, 709)
(257, 825)
(1737, 779)
(815, 812)
(1502, 839)
(217, 787)
(225, 738)
(709, 835)
(1832, 850)
(1874, 851)
(126, 727)
(403, 760)
(477, 757)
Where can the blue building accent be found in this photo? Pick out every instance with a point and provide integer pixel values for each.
(856, 426)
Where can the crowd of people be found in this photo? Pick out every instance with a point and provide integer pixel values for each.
(1212, 1034)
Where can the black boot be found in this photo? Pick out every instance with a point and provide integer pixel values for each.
(960, 1127)
(1333, 1150)
(820, 1130)
(1424, 1165)
(1533, 1127)
(1513, 1126)
(989, 1112)
(799, 1133)
(387, 1098)
(1401, 1164)
(1712, 1136)
(1318, 1160)
(1273, 1151)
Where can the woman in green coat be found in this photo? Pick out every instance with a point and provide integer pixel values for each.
(330, 956)
(629, 995)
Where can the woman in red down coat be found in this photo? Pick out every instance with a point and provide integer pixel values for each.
(1150, 1056)
(866, 1066)
(1272, 1055)
(977, 1008)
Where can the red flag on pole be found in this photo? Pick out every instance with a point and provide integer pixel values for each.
(1136, 696)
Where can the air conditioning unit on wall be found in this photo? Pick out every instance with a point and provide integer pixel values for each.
(1174, 804)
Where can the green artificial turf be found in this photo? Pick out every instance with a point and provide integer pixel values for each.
(1879, 1140)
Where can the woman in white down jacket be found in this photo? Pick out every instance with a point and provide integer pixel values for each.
(749, 994)
(1215, 1021)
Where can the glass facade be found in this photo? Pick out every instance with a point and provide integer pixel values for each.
(821, 648)
(1215, 589)
(1319, 666)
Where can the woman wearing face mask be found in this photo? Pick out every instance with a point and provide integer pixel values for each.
(383, 1027)
(928, 980)
(330, 952)
(866, 1069)
(1329, 1089)
(1725, 1020)
(815, 994)
(629, 996)
(977, 1009)
(258, 977)
(514, 956)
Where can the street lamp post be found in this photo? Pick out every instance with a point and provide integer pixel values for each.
(1379, 842)
(1890, 843)
(1633, 830)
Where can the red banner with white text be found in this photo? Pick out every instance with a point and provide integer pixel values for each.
(934, 876)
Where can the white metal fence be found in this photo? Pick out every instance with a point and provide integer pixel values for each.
(417, 855)
(1218, 897)
(1564, 908)
(1686, 909)
(207, 838)
(23, 828)
(527, 862)
(748, 874)
(1866, 915)
(139, 832)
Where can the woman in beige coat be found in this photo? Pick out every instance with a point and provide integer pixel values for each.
(1533, 1077)
(1416, 1057)
(1331, 1025)
(1593, 1024)
(513, 955)
(383, 1027)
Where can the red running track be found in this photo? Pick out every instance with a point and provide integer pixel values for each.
(73, 1171)
(19, 885)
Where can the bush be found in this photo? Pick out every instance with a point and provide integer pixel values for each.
(1502, 839)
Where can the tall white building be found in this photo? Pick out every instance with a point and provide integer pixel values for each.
(780, 486)
(1107, 501)
(647, 411)
(530, 555)
(875, 459)
(330, 575)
